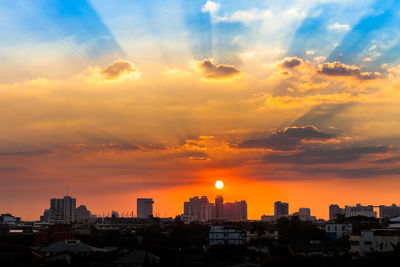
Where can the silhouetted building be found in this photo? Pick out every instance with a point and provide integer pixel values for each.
(389, 211)
(8, 219)
(305, 214)
(82, 213)
(199, 209)
(358, 210)
(334, 211)
(236, 210)
(144, 207)
(61, 210)
(281, 209)
(219, 207)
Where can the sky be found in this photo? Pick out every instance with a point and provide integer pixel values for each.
(287, 100)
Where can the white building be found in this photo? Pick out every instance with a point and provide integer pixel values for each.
(337, 231)
(358, 210)
(380, 240)
(222, 235)
(395, 223)
(144, 207)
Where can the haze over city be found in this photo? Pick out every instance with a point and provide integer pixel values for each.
(292, 101)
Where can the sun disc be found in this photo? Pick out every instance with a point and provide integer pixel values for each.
(219, 184)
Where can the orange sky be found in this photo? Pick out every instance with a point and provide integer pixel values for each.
(256, 95)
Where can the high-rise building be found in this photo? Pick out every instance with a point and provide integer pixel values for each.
(305, 214)
(334, 211)
(82, 213)
(219, 207)
(358, 210)
(281, 209)
(235, 210)
(389, 211)
(61, 210)
(199, 208)
(144, 207)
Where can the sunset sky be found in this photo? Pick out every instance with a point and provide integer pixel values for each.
(297, 101)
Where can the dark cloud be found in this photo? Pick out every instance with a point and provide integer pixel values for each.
(290, 62)
(12, 169)
(325, 156)
(26, 153)
(288, 138)
(354, 173)
(388, 160)
(339, 69)
(118, 69)
(213, 71)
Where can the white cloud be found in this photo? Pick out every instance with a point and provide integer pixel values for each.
(210, 7)
(310, 52)
(339, 27)
(244, 16)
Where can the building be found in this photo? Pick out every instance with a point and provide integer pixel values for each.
(395, 223)
(61, 210)
(334, 211)
(8, 219)
(358, 210)
(378, 240)
(219, 207)
(281, 209)
(82, 213)
(223, 235)
(199, 209)
(268, 218)
(305, 214)
(337, 231)
(145, 207)
(235, 210)
(389, 211)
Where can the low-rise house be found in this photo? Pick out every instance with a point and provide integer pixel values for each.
(138, 258)
(224, 235)
(337, 230)
(379, 240)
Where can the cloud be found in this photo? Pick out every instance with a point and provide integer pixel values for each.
(118, 71)
(354, 173)
(325, 156)
(244, 16)
(210, 7)
(339, 27)
(26, 153)
(339, 69)
(290, 62)
(217, 72)
(288, 138)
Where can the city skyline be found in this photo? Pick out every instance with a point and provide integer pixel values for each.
(294, 101)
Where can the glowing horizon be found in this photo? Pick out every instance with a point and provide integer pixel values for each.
(295, 101)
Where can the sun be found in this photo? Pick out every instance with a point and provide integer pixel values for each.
(219, 184)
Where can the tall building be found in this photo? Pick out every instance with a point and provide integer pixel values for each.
(358, 210)
(61, 210)
(389, 211)
(199, 209)
(281, 209)
(305, 214)
(144, 207)
(334, 211)
(82, 213)
(219, 207)
(235, 210)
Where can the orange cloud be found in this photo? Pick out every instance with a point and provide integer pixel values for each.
(117, 71)
(217, 71)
